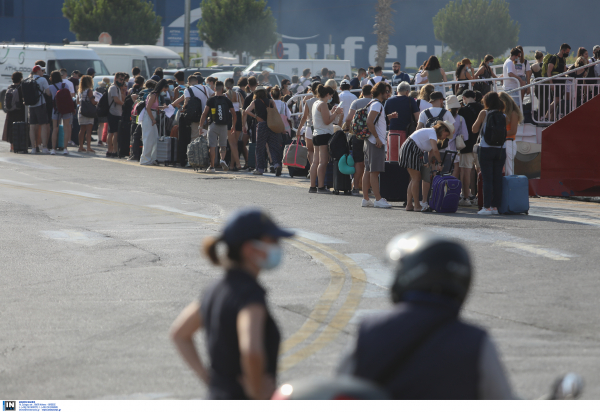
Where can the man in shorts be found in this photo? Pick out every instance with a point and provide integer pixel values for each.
(358, 145)
(37, 113)
(116, 97)
(217, 107)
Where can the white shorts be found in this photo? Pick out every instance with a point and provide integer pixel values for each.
(307, 130)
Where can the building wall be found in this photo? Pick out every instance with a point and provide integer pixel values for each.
(306, 26)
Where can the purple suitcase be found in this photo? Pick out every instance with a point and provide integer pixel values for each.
(445, 194)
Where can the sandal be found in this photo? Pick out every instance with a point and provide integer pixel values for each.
(81, 149)
(90, 150)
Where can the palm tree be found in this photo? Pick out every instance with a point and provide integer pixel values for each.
(384, 26)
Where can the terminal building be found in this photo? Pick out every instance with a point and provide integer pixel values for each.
(340, 28)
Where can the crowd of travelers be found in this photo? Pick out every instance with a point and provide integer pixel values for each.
(233, 114)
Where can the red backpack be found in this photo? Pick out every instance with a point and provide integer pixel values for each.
(63, 102)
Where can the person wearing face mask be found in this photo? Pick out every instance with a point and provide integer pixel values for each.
(509, 70)
(368, 75)
(149, 118)
(556, 64)
(242, 337)
(463, 72)
(116, 96)
(485, 72)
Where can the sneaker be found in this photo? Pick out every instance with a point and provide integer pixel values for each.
(473, 199)
(485, 211)
(210, 170)
(45, 150)
(33, 150)
(382, 203)
(93, 140)
(224, 166)
(65, 152)
(424, 205)
(52, 152)
(71, 144)
(312, 190)
(323, 190)
(355, 192)
(257, 172)
(464, 202)
(495, 211)
(367, 203)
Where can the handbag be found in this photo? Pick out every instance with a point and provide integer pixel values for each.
(274, 122)
(460, 142)
(295, 155)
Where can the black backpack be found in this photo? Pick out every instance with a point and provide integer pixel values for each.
(220, 113)
(103, 106)
(338, 145)
(495, 128)
(431, 120)
(127, 108)
(193, 108)
(31, 91)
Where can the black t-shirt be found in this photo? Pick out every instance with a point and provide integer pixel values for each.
(220, 306)
(470, 113)
(260, 108)
(212, 104)
(558, 62)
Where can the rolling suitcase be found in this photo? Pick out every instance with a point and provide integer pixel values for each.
(61, 144)
(341, 182)
(515, 195)
(479, 191)
(393, 183)
(395, 139)
(328, 176)
(123, 138)
(20, 137)
(136, 141)
(75, 128)
(445, 194)
(166, 147)
(251, 161)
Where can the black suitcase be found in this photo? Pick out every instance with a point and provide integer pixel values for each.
(185, 138)
(20, 137)
(341, 182)
(136, 142)
(328, 176)
(124, 138)
(393, 183)
(75, 128)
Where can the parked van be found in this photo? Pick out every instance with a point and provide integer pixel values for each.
(22, 57)
(295, 67)
(124, 58)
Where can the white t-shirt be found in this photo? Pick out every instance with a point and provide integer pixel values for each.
(423, 105)
(374, 80)
(434, 112)
(376, 106)
(282, 108)
(419, 78)
(304, 82)
(522, 68)
(509, 67)
(69, 85)
(198, 88)
(346, 99)
(423, 138)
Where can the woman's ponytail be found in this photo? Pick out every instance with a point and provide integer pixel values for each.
(209, 247)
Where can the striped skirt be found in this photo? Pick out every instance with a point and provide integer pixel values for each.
(411, 157)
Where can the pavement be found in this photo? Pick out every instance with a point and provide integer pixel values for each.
(100, 255)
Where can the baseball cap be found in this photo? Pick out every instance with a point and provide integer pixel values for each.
(596, 47)
(90, 71)
(260, 88)
(436, 96)
(345, 81)
(36, 68)
(251, 223)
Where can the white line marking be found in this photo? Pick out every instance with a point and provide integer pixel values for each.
(12, 182)
(317, 237)
(504, 240)
(183, 212)
(22, 162)
(87, 238)
(550, 215)
(83, 194)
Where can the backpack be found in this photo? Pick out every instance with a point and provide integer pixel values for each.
(127, 107)
(103, 106)
(63, 102)
(338, 145)
(431, 120)
(11, 100)
(31, 91)
(495, 128)
(198, 153)
(359, 122)
(294, 89)
(545, 65)
(220, 113)
(193, 108)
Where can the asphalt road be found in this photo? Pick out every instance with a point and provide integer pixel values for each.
(99, 256)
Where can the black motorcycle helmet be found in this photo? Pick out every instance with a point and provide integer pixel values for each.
(431, 263)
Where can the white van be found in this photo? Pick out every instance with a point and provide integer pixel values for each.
(124, 58)
(295, 67)
(22, 57)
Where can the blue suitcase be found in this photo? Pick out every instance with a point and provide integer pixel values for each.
(515, 195)
(445, 194)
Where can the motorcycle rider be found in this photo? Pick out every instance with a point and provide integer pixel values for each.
(421, 349)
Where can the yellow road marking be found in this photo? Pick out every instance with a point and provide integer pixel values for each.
(323, 306)
(341, 318)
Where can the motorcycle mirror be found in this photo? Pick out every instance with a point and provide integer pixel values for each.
(567, 387)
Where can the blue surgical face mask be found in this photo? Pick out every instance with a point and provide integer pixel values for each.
(163, 93)
(171, 87)
(330, 99)
(274, 254)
